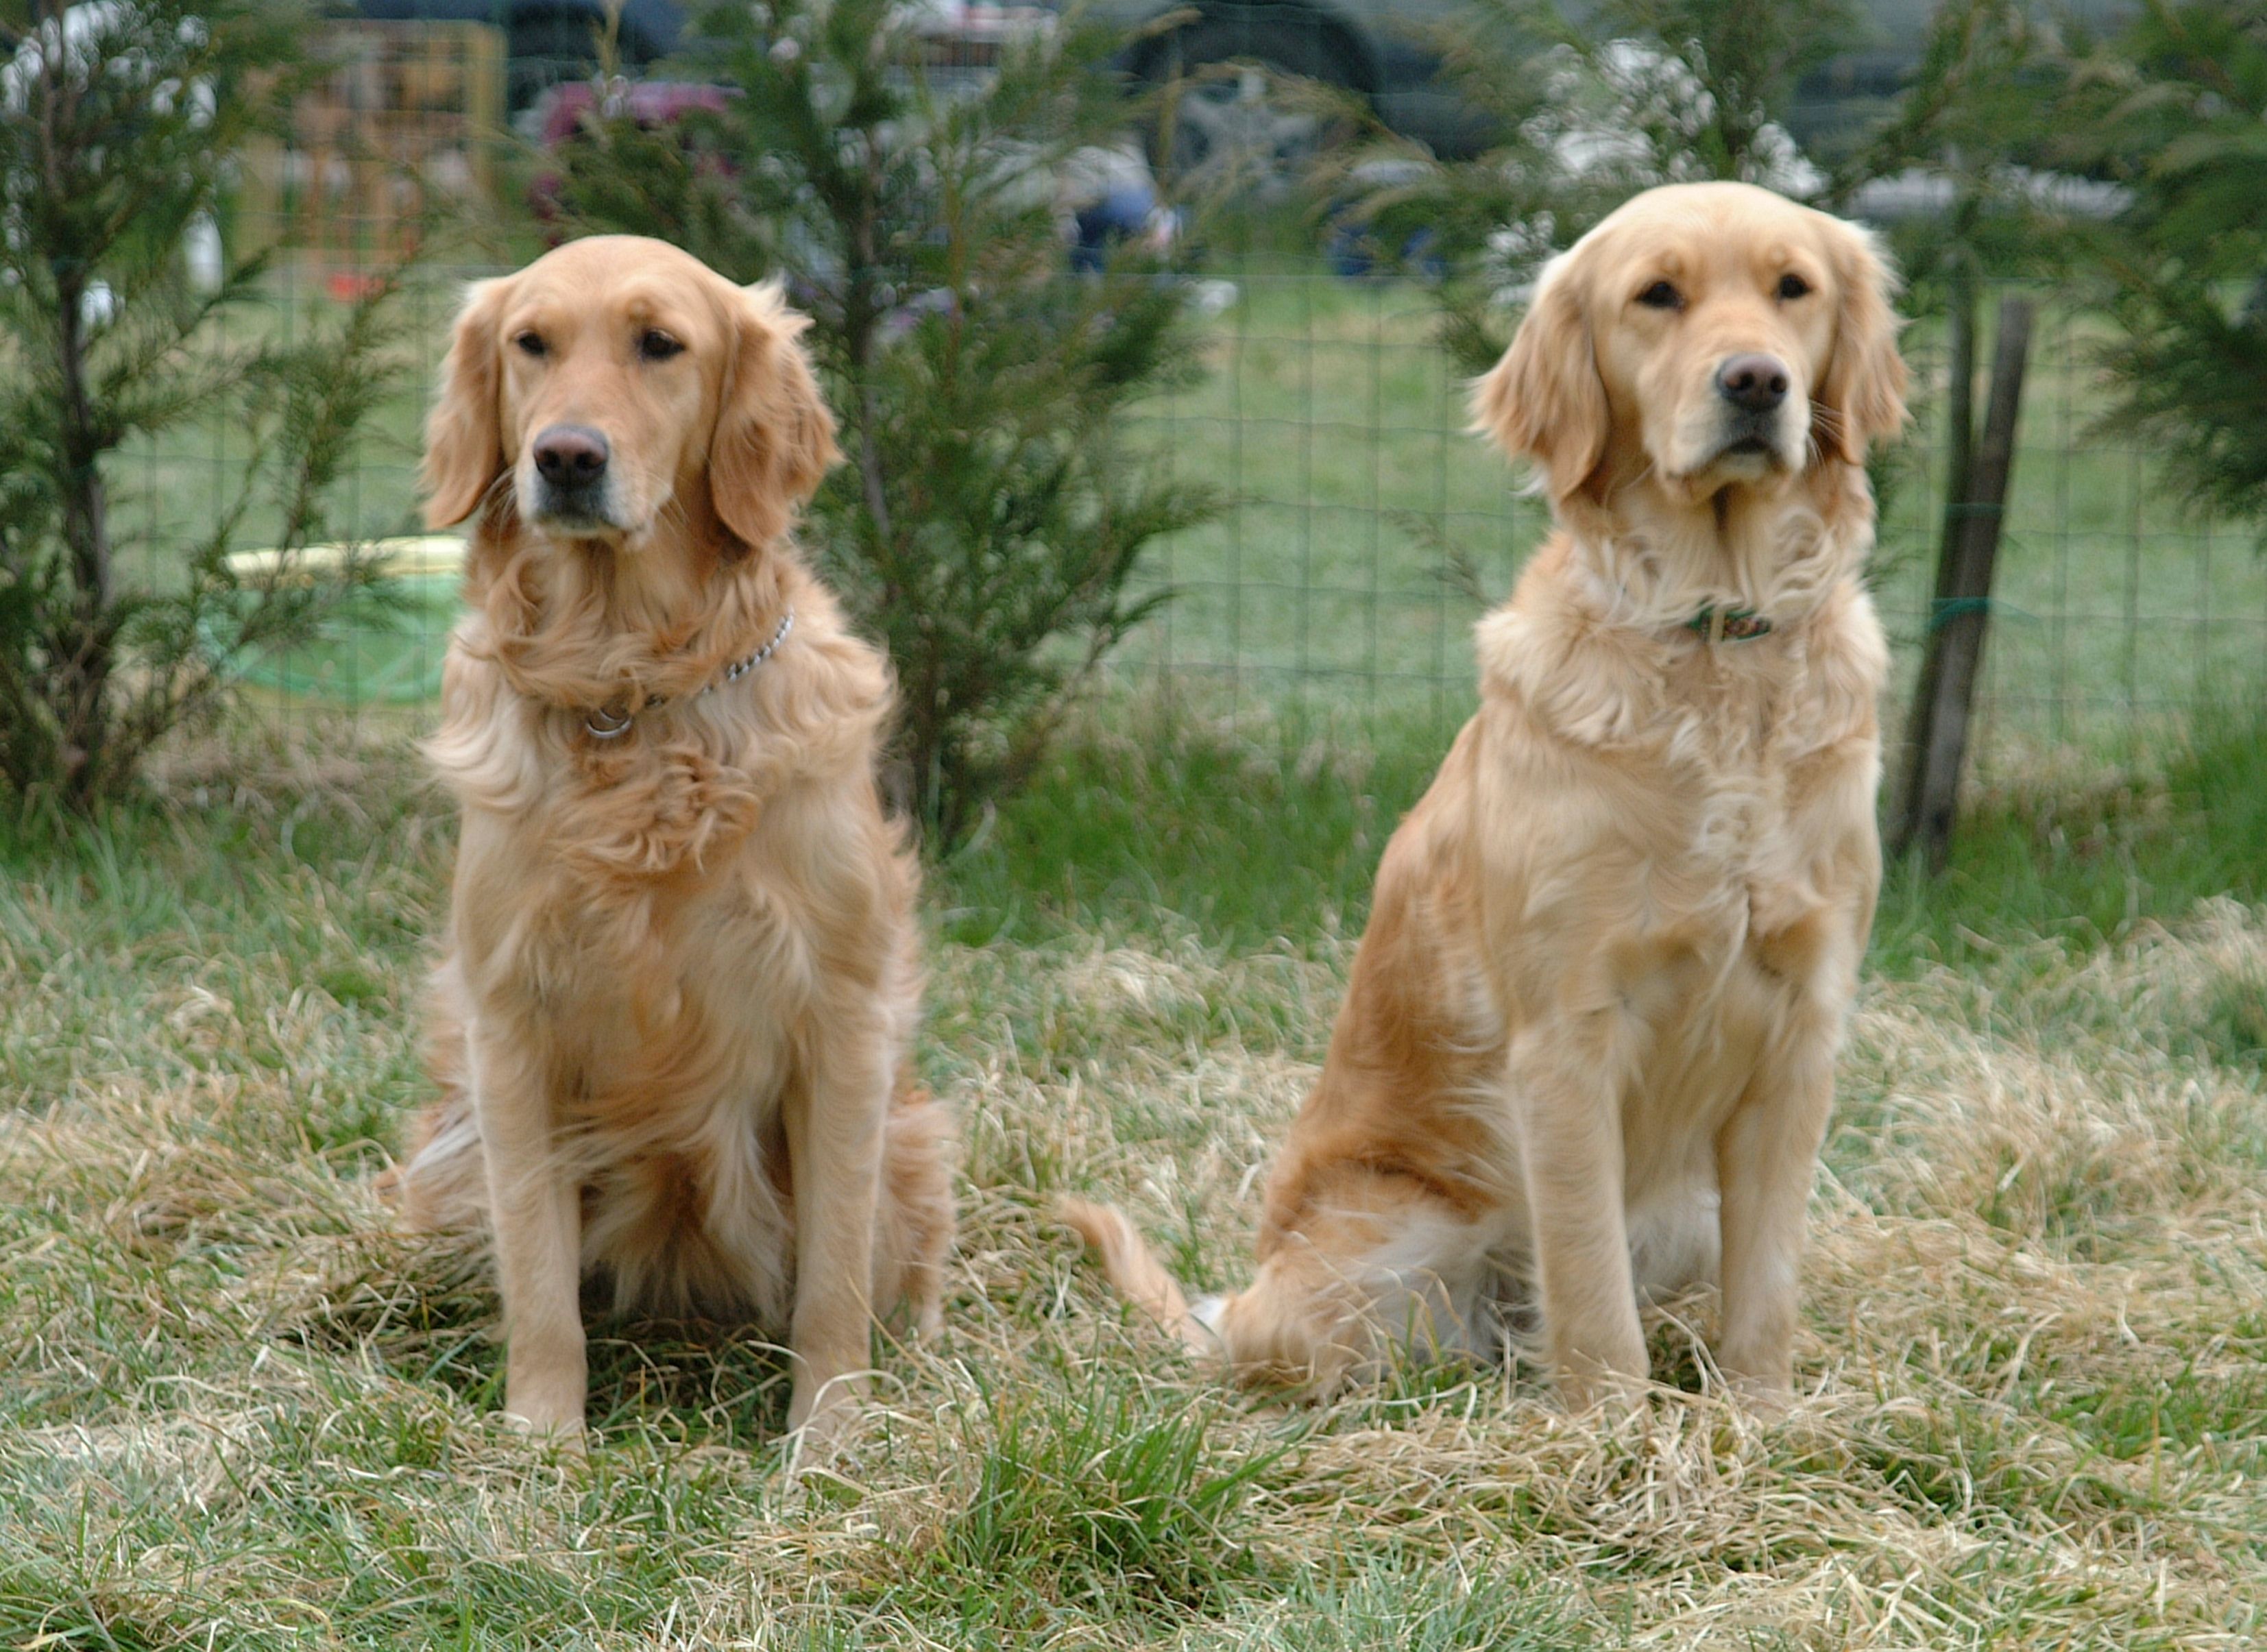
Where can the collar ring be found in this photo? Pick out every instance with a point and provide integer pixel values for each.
(607, 723)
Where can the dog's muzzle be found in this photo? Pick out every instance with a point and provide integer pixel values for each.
(1753, 390)
(571, 477)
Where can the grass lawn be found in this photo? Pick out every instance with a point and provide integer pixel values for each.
(237, 1409)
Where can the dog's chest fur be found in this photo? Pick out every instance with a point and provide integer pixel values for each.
(636, 931)
(667, 1019)
(1727, 811)
(630, 987)
(1716, 775)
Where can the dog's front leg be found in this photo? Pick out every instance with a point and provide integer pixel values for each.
(1567, 1080)
(834, 1118)
(536, 1220)
(1766, 1157)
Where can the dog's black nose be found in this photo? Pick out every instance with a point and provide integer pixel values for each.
(1757, 383)
(570, 455)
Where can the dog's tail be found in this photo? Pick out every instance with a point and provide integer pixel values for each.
(1134, 1269)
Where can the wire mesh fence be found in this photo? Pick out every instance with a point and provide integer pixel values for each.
(1367, 524)
(1337, 585)
(1339, 582)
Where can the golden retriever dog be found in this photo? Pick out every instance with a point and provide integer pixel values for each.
(670, 1026)
(1587, 1052)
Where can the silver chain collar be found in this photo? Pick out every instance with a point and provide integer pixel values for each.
(607, 723)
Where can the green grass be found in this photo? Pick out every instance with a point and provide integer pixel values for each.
(1166, 825)
(239, 1408)
(2087, 854)
(1162, 825)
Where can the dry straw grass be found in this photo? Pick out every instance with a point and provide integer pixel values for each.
(241, 1409)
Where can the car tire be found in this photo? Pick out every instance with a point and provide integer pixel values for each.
(1225, 130)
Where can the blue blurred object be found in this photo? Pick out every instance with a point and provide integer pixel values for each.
(1126, 209)
(1354, 255)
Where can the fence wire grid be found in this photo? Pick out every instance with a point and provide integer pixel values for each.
(1334, 419)
(1337, 589)
(1337, 586)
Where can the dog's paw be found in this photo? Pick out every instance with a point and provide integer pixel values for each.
(565, 1435)
(1766, 1401)
(1609, 1401)
(815, 1449)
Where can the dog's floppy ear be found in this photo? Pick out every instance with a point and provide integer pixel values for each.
(774, 437)
(464, 444)
(1545, 400)
(1862, 397)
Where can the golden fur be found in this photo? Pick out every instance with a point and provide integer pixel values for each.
(1587, 1052)
(670, 1026)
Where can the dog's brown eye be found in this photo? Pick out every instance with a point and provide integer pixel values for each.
(1661, 295)
(532, 343)
(1793, 286)
(654, 345)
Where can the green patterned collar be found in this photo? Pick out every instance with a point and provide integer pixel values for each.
(1728, 625)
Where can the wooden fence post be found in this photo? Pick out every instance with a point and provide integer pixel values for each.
(1936, 734)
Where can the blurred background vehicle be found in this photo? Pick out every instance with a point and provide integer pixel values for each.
(551, 43)
(1235, 56)
(548, 41)
(1388, 53)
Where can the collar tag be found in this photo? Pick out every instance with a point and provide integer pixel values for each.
(1713, 625)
